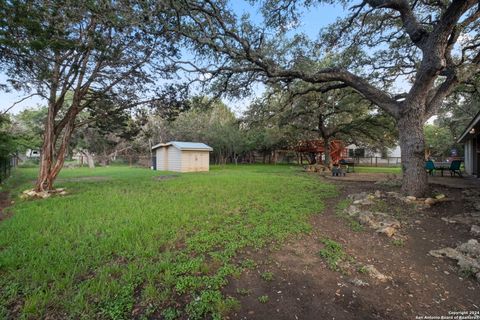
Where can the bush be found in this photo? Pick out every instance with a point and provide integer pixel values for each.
(29, 163)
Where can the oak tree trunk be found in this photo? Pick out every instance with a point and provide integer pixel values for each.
(90, 161)
(326, 148)
(412, 144)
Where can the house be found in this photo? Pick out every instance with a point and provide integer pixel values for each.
(357, 151)
(181, 156)
(471, 140)
(370, 157)
(32, 154)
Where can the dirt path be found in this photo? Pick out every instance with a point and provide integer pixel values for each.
(303, 287)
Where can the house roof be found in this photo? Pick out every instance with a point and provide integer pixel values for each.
(182, 145)
(470, 126)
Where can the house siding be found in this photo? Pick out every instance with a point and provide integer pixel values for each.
(174, 159)
(469, 157)
(162, 159)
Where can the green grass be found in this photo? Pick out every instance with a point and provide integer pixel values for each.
(267, 276)
(131, 243)
(398, 242)
(362, 269)
(396, 170)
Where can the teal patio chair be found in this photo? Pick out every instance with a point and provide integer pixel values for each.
(430, 167)
(455, 168)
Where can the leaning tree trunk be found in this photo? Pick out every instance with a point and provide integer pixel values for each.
(412, 144)
(52, 159)
(47, 153)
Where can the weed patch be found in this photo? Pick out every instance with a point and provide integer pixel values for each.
(334, 254)
(267, 276)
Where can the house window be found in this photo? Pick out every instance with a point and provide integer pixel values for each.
(356, 153)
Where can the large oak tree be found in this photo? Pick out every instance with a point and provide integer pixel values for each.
(429, 46)
(76, 54)
(338, 114)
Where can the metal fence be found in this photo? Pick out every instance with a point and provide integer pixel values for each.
(378, 161)
(6, 165)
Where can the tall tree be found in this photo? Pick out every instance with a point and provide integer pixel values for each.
(460, 108)
(337, 114)
(439, 141)
(28, 126)
(212, 122)
(431, 45)
(75, 53)
(7, 140)
(103, 137)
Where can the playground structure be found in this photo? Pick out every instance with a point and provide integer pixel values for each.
(315, 148)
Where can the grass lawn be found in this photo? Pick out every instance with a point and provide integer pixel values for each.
(378, 169)
(129, 245)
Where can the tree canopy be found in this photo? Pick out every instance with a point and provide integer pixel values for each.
(76, 55)
(431, 47)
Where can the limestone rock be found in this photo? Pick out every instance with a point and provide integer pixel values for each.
(476, 205)
(466, 218)
(366, 218)
(429, 201)
(364, 202)
(467, 255)
(374, 273)
(43, 194)
(390, 223)
(32, 194)
(445, 252)
(359, 282)
(352, 210)
(475, 230)
(471, 247)
(357, 196)
(388, 231)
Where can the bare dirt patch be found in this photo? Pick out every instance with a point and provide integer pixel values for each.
(166, 177)
(84, 179)
(303, 286)
(366, 177)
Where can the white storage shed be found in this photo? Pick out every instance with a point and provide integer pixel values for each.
(181, 156)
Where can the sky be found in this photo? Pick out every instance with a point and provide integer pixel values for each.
(312, 21)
